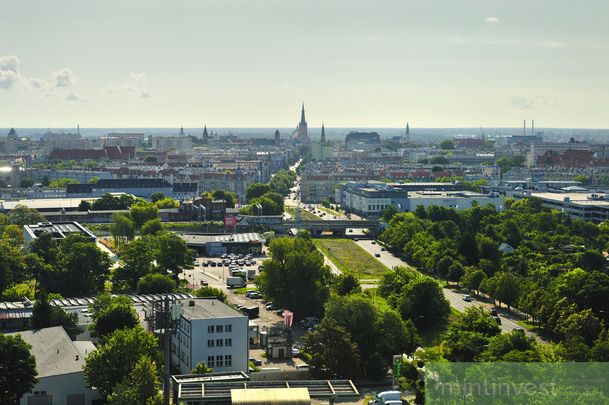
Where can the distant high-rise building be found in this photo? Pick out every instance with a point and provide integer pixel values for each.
(205, 136)
(323, 134)
(12, 134)
(277, 136)
(301, 134)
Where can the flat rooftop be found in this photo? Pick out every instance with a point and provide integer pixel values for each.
(446, 194)
(45, 203)
(232, 238)
(202, 308)
(574, 198)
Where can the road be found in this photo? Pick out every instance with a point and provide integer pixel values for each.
(455, 299)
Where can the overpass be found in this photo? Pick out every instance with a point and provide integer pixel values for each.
(315, 227)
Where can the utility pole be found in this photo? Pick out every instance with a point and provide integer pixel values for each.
(164, 315)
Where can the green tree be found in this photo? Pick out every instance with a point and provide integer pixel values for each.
(207, 292)
(143, 211)
(110, 202)
(583, 324)
(473, 278)
(295, 276)
(257, 190)
(347, 284)
(331, 352)
(22, 215)
(122, 228)
(84, 205)
(26, 183)
(156, 197)
(504, 287)
(172, 255)
(136, 262)
(151, 227)
(201, 368)
(12, 265)
(447, 144)
(116, 358)
(117, 315)
(423, 298)
(13, 234)
(44, 315)
(151, 159)
(167, 202)
(17, 368)
(81, 268)
(389, 212)
(363, 318)
(156, 283)
(469, 335)
(142, 385)
(62, 183)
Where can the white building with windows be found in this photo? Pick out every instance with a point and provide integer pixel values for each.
(59, 363)
(213, 332)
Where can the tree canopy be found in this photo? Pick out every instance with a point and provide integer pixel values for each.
(17, 368)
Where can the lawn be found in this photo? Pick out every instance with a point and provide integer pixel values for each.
(306, 215)
(348, 256)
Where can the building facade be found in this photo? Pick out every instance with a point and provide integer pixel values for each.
(212, 332)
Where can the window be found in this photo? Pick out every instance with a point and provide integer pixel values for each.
(210, 329)
(228, 328)
(210, 361)
(228, 342)
(210, 343)
(219, 328)
(228, 360)
(219, 361)
(219, 342)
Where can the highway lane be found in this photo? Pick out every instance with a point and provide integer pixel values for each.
(455, 299)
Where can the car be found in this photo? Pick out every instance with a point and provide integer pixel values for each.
(269, 306)
(377, 255)
(350, 230)
(373, 242)
(295, 350)
(205, 264)
(467, 298)
(204, 283)
(255, 362)
(497, 319)
(254, 295)
(280, 312)
(383, 250)
(494, 312)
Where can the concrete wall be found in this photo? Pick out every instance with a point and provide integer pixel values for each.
(59, 387)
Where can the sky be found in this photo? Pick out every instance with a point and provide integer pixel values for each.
(354, 63)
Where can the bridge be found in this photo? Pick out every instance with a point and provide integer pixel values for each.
(315, 227)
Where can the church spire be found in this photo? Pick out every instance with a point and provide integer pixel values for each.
(323, 133)
(302, 115)
(205, 136)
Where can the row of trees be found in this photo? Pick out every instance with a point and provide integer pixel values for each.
(269, 196)
(550, 266)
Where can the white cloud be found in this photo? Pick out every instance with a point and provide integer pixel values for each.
(64, 77)
(522, 103)
(491, 20)
(139, 77)
(131, 86)
(9, 71)
(73, 97)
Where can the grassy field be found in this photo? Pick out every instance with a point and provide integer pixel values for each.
(306, 215)
(349, 257)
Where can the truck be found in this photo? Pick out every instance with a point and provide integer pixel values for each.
(251, 312)
(235, 282)
(384, 397)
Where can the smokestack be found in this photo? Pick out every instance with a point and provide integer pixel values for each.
(524, 128)
(533, 127)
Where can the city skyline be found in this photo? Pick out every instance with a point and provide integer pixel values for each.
(353, 64)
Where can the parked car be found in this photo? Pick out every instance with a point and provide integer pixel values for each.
(494, 312)
(269, 306)
(373, 242)
(377, 255)
(467, 298)
(204, 283)
(497, 319)
(295, 350)
(253, 295)
(256, 362)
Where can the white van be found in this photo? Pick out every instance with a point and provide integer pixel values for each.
(302, 366)
(383, 397)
